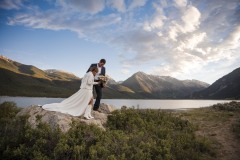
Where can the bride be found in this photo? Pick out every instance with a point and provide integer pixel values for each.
(80, 103)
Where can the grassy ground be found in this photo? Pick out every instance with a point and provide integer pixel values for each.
(220, 124)
(213, 133)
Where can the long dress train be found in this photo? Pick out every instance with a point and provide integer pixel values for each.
(77, 103)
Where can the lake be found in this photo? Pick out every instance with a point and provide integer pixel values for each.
(118, 103)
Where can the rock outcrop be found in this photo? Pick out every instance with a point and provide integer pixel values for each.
(55, 119)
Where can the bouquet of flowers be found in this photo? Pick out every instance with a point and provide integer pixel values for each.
(103, 80)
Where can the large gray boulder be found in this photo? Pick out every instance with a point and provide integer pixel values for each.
(54, 119)
(106, 108)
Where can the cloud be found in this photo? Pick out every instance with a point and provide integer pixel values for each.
(52, 20)
(160, 36)
(181, 3)
(190, 43)
(157, 20)
(188, 22)
(125, 68)
(11, 4)
(186, 41)
(119, 5)
(180, 37)
(89, 6)
(190, 19)
(125, 71)
(232, 41)
(136, 3)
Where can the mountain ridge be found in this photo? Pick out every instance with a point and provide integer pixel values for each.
(162, 86)
(33, 71)
(18, 79)
(227, 87)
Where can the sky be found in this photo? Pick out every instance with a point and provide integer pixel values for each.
(184, 39)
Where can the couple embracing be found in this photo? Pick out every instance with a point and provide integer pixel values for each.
(81, 102)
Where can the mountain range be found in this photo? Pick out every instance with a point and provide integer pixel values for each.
(152, 86)
(227, 87)
(18, 79)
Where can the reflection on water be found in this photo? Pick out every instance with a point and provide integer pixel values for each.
(118, 103)
(163, 104)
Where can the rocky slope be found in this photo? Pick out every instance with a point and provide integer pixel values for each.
(227, 87)
(152, 86)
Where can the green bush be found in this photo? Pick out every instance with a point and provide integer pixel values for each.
(231, 106)
(19, 141)
(236, 128)
(154, 134)
(8, 110)
(130, 134)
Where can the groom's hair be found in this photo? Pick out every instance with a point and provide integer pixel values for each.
(94, 68)
(102, 61)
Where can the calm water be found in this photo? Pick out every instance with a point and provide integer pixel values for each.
(118, 103)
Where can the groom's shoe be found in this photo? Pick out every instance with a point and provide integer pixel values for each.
(97, 110)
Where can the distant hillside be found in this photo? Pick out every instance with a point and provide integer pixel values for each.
(29, 70)
(18, 79)
(227, 87)
(19, 68)
(151, 86)
(60, 75)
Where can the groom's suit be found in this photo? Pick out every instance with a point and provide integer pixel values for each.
(98, 88)
(95, 65)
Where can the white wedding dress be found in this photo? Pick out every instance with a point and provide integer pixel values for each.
(76, 104)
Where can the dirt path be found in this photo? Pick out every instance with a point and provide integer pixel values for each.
(227, 145)
(230, 149)
(217, 126)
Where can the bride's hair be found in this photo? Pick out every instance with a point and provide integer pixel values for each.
(94, 68)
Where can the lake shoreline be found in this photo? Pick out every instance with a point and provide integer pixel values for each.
(118, 103)
(132, 98)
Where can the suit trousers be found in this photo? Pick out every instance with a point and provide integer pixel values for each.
(98, 90)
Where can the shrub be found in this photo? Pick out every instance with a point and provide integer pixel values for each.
(130, 134)
(236, 128)
(231, 106)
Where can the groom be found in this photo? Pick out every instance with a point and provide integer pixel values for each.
(98, 88)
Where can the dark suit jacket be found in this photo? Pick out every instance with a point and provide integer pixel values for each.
(95, 65)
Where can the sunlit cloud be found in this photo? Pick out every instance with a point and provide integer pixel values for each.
(181, 3)
(184, 36)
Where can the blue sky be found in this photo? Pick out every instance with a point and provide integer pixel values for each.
(185, 39)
